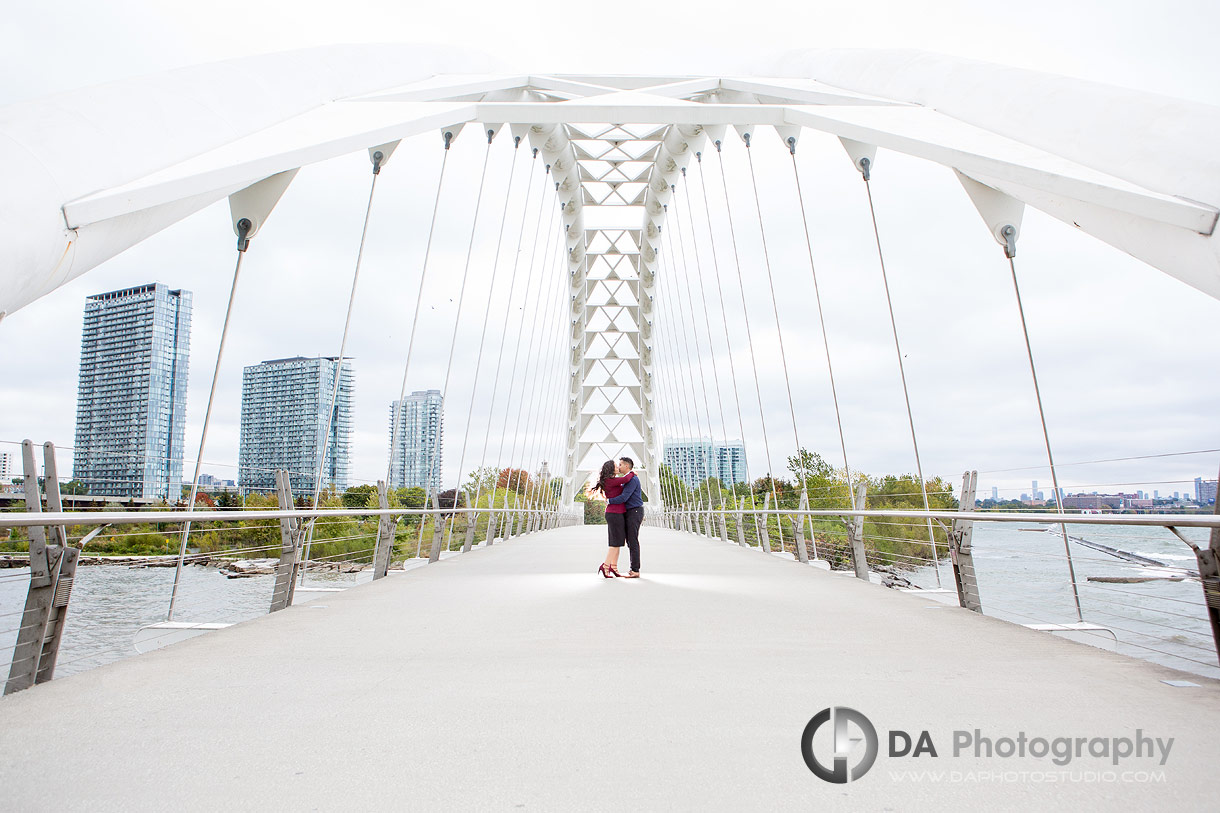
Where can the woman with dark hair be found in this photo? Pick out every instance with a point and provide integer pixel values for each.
(611, 486)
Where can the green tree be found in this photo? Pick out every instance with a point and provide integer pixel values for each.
(481, 480)
(360, 496)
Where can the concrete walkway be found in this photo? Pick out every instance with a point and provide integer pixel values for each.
(513, 678)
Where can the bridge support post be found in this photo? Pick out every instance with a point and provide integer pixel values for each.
(1208, 560)
(292, 533)
(741, 527)
(764, 533)
(855, 534)
(52, 570)
(724, 526)
(438, 536)
(802, 552)
(472, 526)
(959, 548)
(386, 526)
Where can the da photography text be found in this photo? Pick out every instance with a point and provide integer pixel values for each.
(855, 745)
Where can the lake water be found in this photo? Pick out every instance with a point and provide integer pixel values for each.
(1022, 574)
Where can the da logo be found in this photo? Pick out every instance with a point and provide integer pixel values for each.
(848, 727)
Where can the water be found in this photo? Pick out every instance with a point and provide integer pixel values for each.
(1023, 577)
(111, 603)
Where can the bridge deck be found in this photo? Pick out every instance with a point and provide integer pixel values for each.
(513, 678)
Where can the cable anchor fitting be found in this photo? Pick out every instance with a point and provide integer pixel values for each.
(1010, 241)
(792, 145)
(243, 233)
(448, 139)
(864, 165)
(378, 157)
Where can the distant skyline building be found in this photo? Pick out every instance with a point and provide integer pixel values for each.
(284, 405)
(131, 392)
(995, 494)
(1205, 491)
(417, 441)
(6, 467)
(694, 460)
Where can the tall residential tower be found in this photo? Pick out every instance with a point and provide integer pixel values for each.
(284, 404)
(131, 397)
(417, 428)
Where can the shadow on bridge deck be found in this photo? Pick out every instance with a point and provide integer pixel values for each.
(514, 678)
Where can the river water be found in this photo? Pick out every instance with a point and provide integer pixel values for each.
(1023, 577)
(1022, 574)
(111, 603)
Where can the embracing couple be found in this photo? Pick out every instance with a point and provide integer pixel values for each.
(624, 513)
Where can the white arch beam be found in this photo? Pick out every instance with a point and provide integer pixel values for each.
(92, 172)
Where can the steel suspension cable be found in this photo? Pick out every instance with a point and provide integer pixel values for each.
(399, 410)
(512, 379)
(741, 285)
(707, 211)
(434, 474)
(694, 400)
(779, 330)
(478, 366)
(334, 396)
(817, 296)
(537, 354)
(902, 372)
(707, 322)
(666, 388)
(508, 306)
(207, 419)
(678, 382)
(543, 421)
(1033, 371)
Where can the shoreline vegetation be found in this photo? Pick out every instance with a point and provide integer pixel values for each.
(891, 543)
(337, 542)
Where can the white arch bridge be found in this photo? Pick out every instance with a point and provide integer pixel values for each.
(618, 235)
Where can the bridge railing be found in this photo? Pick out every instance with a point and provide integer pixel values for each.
(55, 540)
(1123, 579)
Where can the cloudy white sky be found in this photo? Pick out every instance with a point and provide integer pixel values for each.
(1122, 348)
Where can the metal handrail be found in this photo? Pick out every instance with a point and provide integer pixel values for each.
(25, 518)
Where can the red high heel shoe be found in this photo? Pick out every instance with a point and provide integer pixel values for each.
(614, 570)
(606, 571)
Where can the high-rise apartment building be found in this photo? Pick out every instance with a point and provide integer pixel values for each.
(131, 395)
(284, 405)
(695, 460)
(1205, 491)
(6, 466)
(417, 439)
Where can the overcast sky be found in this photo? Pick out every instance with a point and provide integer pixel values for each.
(1122, 348)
